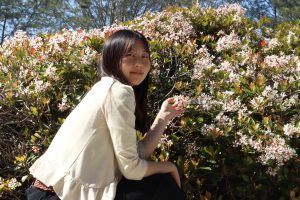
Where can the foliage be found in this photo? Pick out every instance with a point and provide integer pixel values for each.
(39, 16)
(287, 9)
(42, 79)
(239, 136)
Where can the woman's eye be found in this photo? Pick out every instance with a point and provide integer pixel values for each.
(129, 54)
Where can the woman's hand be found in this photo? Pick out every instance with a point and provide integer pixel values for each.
(163, 167)
(171, 108)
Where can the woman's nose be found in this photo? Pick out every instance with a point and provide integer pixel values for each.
(139, 62)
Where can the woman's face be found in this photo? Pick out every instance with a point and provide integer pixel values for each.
(135, 64)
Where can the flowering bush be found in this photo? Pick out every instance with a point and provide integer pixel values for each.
(42, 79)
(239, 81)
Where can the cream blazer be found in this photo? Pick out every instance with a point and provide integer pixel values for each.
(95, 146)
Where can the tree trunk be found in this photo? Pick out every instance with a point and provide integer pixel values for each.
(275, 14)
(3, 31)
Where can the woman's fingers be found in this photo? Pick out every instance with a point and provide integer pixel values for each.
(171, 99)
(176, 177)
(178, 107)
(175, 105)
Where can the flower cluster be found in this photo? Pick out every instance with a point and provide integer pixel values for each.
(275, 150)
(8, 185)
(227, 42)
(221, 125)
(291, 130)
(109, 30)
(228, 9)
(271, 44)
(207, 102)
(169, 27)
(64, 104)
(165, 140)
(203, 62)
(274, 61)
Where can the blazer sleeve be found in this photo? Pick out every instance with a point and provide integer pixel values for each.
(120, 107)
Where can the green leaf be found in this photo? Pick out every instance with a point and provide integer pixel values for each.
(209, 150)
(206, 168)
(200, 120)
(37, 135)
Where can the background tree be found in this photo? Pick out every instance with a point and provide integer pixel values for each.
(277, 10)
(286, 10)
(34, 16)
(258, 8)
(99, 13)
(10, 12)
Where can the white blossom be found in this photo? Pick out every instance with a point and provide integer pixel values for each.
(272, 43)
(230, 41)
(50, 71)
(13, 184)
(207, 102)
(257, 102)
(64, 104)
(290, 129)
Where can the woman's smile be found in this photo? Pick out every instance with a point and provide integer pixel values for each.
(137, 73)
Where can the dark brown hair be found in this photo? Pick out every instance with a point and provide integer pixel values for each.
(117, 45)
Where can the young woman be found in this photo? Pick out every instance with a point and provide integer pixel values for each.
(97, 144)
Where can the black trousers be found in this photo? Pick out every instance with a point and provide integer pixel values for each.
(33, 193)
(155, 187)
